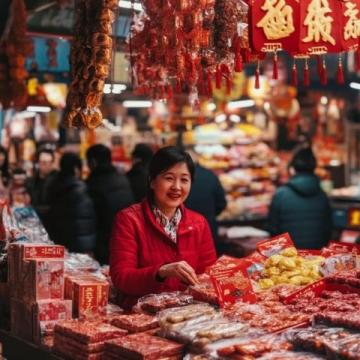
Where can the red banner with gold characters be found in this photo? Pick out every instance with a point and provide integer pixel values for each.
(305, 27)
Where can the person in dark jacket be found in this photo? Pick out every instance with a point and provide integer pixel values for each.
(301, 207)
(138, 174)
(72, 214)
(207, 195)
(110, 191)
(39, 184)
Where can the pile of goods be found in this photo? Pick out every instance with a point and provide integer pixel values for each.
(288, 320)
(289, 268)
(90, 59)
(84, 340)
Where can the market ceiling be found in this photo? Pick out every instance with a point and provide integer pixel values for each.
(47, 16)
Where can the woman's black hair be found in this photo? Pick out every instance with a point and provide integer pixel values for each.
(304, 160)
(167, 157)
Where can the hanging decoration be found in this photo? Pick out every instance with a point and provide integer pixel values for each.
(306, 28)
(90, 59)
(191, 46)
(13, 52)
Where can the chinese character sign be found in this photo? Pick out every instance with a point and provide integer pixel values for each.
(274, 24)
(350, 21)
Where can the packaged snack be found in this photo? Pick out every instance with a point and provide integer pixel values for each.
(135, 323)
(153, 303)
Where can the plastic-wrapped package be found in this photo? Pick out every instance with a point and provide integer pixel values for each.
(256, 347)
(204, 291)
(291, 355)
(154, 303)
(347, 348)
(135, 323)
(315, 339)
(142, 346)
(349, 320)
(198, 357)
(171, 319)
(83, 263)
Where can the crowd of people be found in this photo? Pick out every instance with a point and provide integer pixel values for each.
(82, 213)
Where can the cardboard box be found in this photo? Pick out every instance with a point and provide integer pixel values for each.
(34, 278)
(31, 321)
(90, 297)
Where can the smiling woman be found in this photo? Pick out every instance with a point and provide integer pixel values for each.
(159, 245)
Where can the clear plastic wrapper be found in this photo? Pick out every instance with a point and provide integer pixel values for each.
(154, 303)
(347, 348)
(254, 348)
(316, 339)
(135, 323)
(291, 355)
(82, 263)
(172, 319)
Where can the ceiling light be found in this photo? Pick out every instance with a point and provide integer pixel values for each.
(38, 109)
(137, 104)
(220, 118)
(26, 114)
(128, 5)
(211, 106)
(234, 118)
(240, 104)
(355, 85)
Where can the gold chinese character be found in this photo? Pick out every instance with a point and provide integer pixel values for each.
(352, 27)
(318, 24)
(355, 218)
(278, 21)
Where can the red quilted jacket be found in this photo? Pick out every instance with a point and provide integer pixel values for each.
(139, 247)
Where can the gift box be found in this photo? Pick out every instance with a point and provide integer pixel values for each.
(36, 271)
(31, 321)
(89, 294)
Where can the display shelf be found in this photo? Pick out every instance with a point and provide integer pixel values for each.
(15, 348)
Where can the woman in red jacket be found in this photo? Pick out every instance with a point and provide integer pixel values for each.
(159, 245)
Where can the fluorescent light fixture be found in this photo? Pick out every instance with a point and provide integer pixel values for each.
(355, 85)
(114, 88)
(127, 5)
(220, 118)
(43, 109)
(26, 114)
(137, 104)
(234, 118)
(107, 89)
(240, 104)
(211, 106)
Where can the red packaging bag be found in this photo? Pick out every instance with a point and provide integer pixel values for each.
(233, 285)
(275, 245)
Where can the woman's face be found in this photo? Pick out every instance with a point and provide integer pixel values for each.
(172, 187)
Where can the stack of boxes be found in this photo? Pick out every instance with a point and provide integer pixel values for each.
(36, 283)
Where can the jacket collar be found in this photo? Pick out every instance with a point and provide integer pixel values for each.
(185, 225)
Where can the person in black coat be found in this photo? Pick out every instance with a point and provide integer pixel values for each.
(72, 220)
(39, 184)
(138, 174)
(110, 191)
(301, 207)
(207, 196)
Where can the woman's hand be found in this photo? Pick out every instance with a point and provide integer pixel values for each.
(180, 270)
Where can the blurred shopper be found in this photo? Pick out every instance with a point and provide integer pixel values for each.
(160, 245)
(4, 168)
(72, 214)
(110, 191)
(301, 207)
(138, 175)
(39, 184)
(207, 195)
